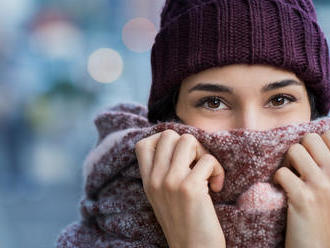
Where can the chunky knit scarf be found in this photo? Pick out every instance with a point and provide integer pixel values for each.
(116, 213)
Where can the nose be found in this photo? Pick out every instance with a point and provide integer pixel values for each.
(251, 119)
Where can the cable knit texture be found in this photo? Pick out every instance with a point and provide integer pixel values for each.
(199, 34)
(116, 213)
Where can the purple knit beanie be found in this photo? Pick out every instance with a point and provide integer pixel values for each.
(196, 35)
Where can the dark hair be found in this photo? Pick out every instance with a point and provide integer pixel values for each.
(164, 109)
(312, 102)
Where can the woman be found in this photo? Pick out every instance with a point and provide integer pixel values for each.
(254, 67)
(257, 77)
(252, 104)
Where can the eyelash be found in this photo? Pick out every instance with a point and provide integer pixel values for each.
(204, 100)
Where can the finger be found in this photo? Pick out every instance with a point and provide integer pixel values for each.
(208, 168)
(186, 151)
(300, 159)
(326, 138)
(144, 150)
(163, 154)
(291, 184)
(319, 151)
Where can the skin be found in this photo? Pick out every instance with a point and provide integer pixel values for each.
(247, 107)
(176, 169)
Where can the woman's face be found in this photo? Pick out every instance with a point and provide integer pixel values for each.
(258, 97)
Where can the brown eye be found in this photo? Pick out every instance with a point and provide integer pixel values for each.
(281, 100)
(277, 101)
(213, 103)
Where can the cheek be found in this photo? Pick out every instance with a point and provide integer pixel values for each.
(296, 113)
(303, 113)
(297, 116)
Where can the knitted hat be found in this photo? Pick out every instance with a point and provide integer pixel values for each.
(196, 35)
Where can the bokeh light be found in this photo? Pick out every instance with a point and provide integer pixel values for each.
(138, 34)
(57, 39)
(105, 65)
(48, 170)
(14, 12)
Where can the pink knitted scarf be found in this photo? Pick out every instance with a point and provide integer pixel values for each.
(116, 213)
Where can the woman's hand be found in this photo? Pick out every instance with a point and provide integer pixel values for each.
(178, 191)
(308, 223)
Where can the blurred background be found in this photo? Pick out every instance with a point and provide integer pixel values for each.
(61, 63)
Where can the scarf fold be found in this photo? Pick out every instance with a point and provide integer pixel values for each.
(116, 213)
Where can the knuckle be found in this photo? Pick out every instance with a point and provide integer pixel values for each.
(309, 137)
(293, 149)
(186, 189)
(169, 133)
(301, 194)
(169, 185)
(154, 185)
(189, 138)
(209, 158)
(307, 198)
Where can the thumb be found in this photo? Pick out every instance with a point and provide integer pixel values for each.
(208, 169)
(217, 176)
(216, 182)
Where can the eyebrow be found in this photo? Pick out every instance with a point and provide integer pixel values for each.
(222, 88)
